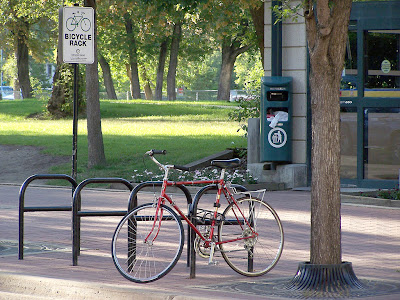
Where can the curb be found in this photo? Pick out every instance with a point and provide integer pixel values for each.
(362, 200)
(14, 286)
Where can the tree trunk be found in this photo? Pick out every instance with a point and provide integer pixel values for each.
(257, 15)
(325, 159)
(17, 88)
(326, 41)
(62, 91)
(133, 58)
(96, 154)
(225, 77)
(22, 54)
(173, 61)
(160, 69)
(229, 54)
(148, 93)
(108, 82)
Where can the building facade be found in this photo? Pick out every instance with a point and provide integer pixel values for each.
(370, 97)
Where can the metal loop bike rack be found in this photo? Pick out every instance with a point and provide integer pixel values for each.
(77, 213)
(192, 214)
(133, 203)
(23, 209)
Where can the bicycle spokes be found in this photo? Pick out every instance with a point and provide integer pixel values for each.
(141, 257)
(251, 246)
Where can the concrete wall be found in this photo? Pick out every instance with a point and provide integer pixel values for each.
(294, 64)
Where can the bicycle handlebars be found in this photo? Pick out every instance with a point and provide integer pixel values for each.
(152, 152)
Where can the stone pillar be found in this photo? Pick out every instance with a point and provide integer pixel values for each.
(253, 141)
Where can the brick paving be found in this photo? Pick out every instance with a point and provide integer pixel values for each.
(370, 240)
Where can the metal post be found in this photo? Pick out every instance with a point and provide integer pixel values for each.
(75, 123)
(276, 44)
(1, 68)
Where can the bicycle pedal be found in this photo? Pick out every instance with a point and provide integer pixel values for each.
(213, 263)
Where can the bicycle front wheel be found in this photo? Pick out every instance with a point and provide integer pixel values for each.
(144, 250)
(252, 247)
(85, 24)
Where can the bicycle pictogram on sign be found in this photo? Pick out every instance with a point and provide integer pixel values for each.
(78, 20)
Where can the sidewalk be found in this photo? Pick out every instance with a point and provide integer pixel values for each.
(370, 240)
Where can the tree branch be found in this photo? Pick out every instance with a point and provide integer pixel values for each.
(311, 26)
(324, 17)
(241, 50)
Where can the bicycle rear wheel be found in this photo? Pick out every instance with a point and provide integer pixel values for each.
(142, 258)
(257, 255)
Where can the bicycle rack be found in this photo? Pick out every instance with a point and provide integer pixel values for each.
(183, 188)
(191, 234)
(77, 213)
(23, 209)
(132, 203)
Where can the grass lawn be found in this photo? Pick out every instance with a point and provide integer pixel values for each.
(187, 130)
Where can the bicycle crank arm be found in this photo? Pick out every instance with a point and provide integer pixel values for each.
(212, 250)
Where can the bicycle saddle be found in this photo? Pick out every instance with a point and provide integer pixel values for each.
(226, 163)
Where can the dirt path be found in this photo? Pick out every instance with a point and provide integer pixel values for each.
(19, 162)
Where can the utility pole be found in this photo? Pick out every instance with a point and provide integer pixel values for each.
(1, 76)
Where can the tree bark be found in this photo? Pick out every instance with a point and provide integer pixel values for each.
(62, 92)
(173, 61)
(148, 93)
(257, 15)
(160, 69)
(17, 88)
(22, 54)
(326, 43)
(133, 58)
(229, 54)
(108, 82)
(96, 154)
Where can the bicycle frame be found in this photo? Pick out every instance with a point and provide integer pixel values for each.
(77, 19)
(222, 188)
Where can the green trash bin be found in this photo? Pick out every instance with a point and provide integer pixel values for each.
(276, 119)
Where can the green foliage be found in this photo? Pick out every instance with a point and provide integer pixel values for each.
(9, 69)
(286, 10)
(248, 107)
(237, 176)
(205, 24)
(65, 83)
(187, 130)
(201, 75)
(249, 70)
(393, 194)
(39, 77)
(18, 110)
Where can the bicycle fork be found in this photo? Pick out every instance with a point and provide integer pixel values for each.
(157, 217)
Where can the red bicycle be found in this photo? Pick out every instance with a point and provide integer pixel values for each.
(149, 239)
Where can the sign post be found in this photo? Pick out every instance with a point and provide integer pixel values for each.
(77, 48)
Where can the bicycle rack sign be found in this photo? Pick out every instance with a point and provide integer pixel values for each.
(77, 35)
